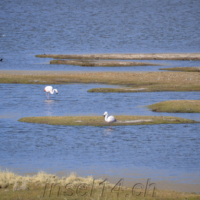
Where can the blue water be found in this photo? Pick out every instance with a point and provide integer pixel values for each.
(96, 26)
(33, 147)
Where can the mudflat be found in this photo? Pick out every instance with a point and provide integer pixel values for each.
(131, 81)
(130, 56)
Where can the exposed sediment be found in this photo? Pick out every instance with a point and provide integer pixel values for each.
(177, 106)
(131, 81)
(99, 120)
(130, 56)
(98, 63)
(182, 69)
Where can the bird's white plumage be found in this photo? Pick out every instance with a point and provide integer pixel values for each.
(109, 119)
(49, 89)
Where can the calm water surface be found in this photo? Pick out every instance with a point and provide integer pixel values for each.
(169, 152)
(173, 149)
(95, 26)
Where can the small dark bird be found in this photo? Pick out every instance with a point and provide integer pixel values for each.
(1, 59)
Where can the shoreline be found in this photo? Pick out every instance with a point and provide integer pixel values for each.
(163, 184)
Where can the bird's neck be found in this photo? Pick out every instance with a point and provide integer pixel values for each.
(52, 92)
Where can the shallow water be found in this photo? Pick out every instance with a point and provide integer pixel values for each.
(160, 152)
(171, 151)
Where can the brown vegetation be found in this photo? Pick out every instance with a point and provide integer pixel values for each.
(51, 187)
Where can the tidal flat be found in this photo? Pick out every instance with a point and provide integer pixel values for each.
(104, 63)
(182, 69)
(122, 120)
(131, 56)
(131, 81)
(177, 106)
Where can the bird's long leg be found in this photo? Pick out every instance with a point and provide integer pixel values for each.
(47, 95)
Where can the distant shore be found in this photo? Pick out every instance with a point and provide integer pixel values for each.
(102, 63)
(131, 56)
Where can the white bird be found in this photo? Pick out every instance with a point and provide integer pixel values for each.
(109, 119)
(49, 89)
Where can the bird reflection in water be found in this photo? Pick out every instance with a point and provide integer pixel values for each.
(49, 108)
(49, 101)
(108, 131)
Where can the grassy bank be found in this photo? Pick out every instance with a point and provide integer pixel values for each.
(182, 69)
(131, 56)
(48, 186)
(99, 120)
(98, 63)
(177, 106)
(134, 81)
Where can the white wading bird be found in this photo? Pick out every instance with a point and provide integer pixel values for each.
(109, 119)
(49, 89)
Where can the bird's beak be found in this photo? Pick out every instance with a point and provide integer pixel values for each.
(44, 90)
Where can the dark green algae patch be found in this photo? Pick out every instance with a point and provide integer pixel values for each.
(122, 120)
